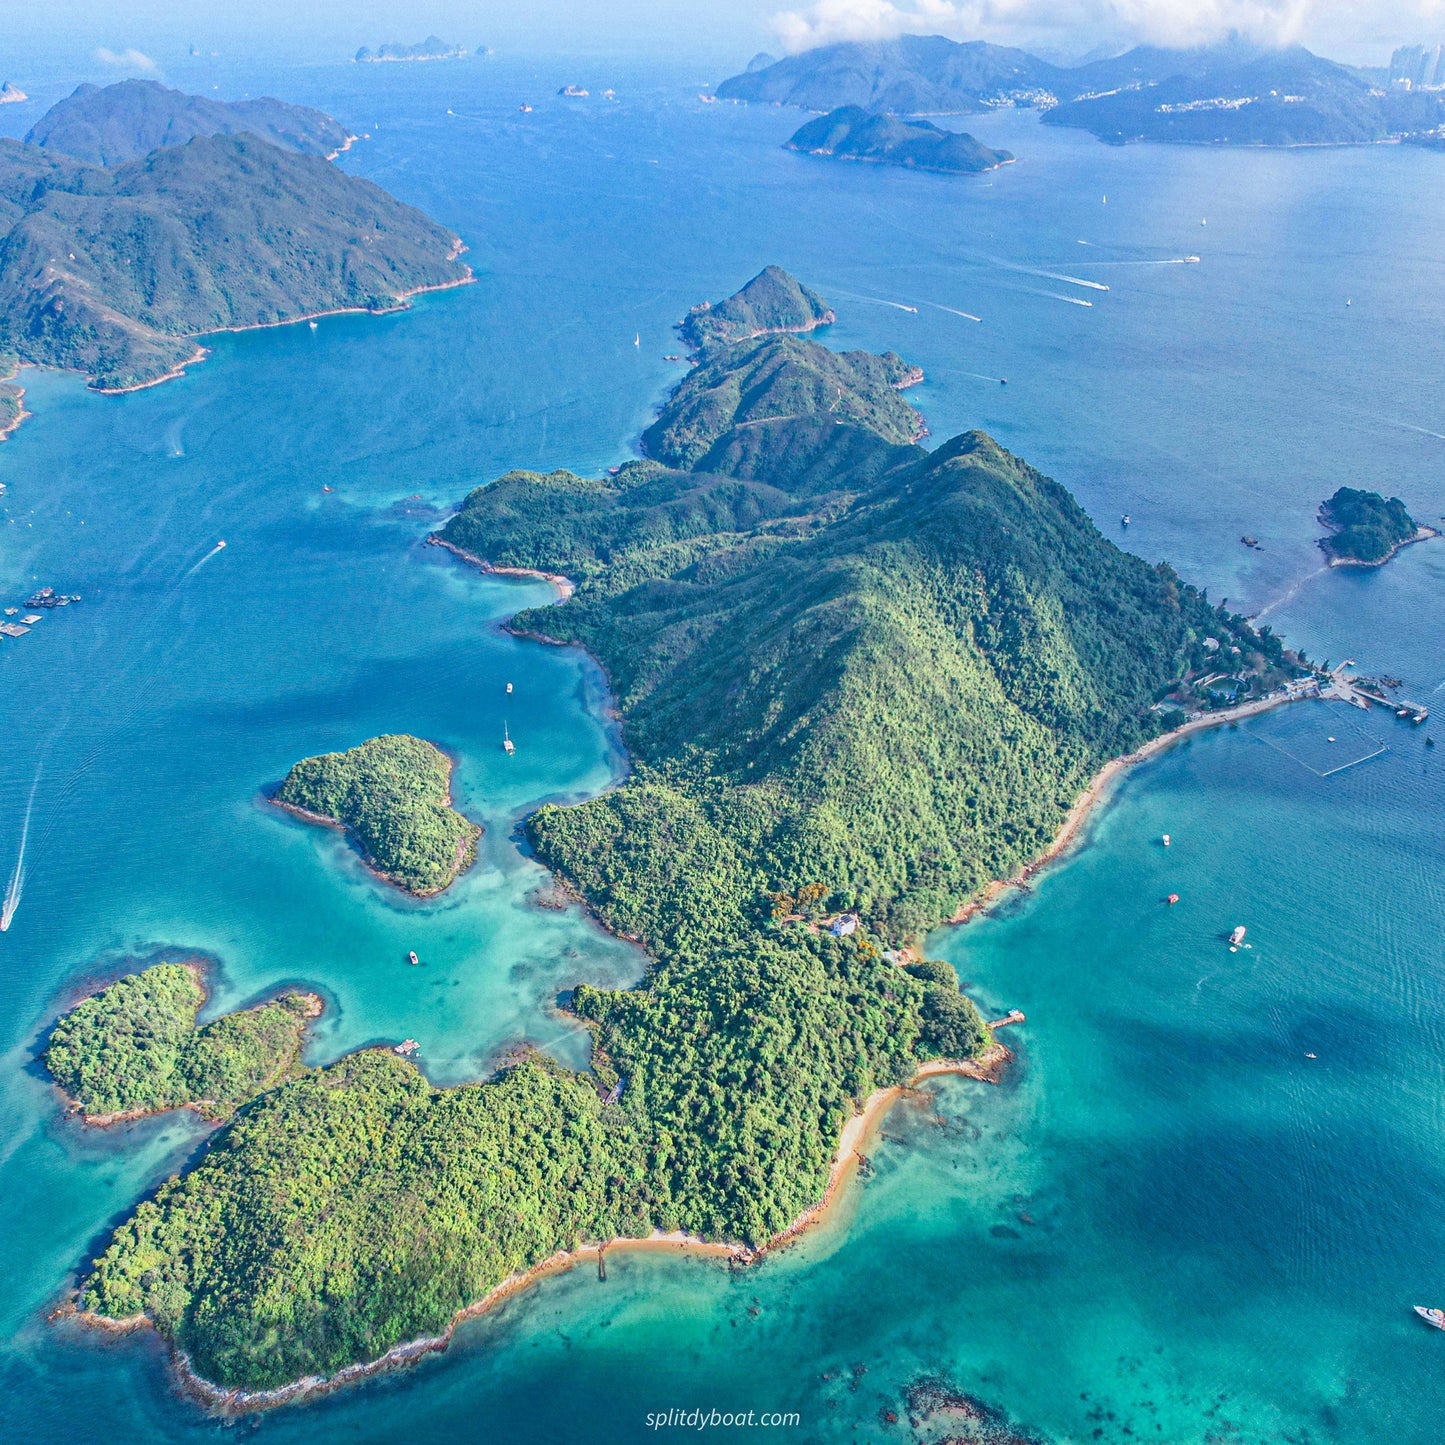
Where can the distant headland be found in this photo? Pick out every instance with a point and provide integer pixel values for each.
(1232, 93)
(248, 225)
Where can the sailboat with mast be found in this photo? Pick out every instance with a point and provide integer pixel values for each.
(508, 746)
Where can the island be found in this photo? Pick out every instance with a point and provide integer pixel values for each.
(392, 796)
(771, 304)
(1230, 93)
(858, 681)
(118, 123)
(1365, 530)
(11, 94)
(135, 1049)
(851, 133)
(432, 48)
(238, 233)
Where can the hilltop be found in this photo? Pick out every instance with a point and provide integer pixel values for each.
(1231, 93)
(853, 694)
(851, 133)
(771, 303)
(116, 272)
(109, 126)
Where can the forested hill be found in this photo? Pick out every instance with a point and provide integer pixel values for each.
(851, 133)
(118, 123)
(114, 272)
(1230, 93)
(871, 685)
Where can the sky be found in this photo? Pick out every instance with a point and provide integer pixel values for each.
(124, 35)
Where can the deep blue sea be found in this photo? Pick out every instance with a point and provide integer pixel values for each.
(1201, 1206)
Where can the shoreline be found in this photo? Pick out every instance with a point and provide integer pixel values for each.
(13, 425)
(202, 353)
(367, 862)
(1099, 787)
(316, 1006)
(1422, 534)
(564, 586)
(230, 1401)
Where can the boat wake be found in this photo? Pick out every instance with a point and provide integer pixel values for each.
(219, 547)
(16, 887)
(953, 311)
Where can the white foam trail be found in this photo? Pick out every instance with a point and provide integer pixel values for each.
(1072, 280)
(1424, 431)
(17, 878)
(953, 311)
(878, 301)
(219, 547)
(1055, 296)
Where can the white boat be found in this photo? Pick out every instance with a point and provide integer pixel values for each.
(1166, 840)
(508, 746)
(1237, 937)
(509, 687)
(1431, 1316)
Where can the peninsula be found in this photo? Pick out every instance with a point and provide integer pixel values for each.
(771, 304)
(851, 133)
(1230, 93)
(392, 795)
(858, 681)
(117, 273)
(1365, 530)
(118, 123)
(135, 1049)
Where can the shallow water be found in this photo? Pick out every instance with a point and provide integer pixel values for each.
(1226, 1235)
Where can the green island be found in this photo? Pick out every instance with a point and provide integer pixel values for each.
(392, 795)
(116, 272)
(771, 303)
(134, 1048)
(432, 48)
(1364, 528)
(851, 133)
(858, 681)
(108, 126)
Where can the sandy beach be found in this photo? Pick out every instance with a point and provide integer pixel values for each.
(1101, 784)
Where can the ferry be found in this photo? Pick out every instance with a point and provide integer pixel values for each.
(1431, 1317)
(508, 746)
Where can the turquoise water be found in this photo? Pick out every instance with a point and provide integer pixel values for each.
(1226, 1234)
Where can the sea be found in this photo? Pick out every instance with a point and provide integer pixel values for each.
(1201, 1204)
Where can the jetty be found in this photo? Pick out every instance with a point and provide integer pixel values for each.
(1013, 1016)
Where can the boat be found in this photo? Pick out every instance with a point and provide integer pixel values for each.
(1431, 1316)
(509, 687)
(1191, 260)
(637, 339)
(1237, 937)
(1003, 381)
(412, 959)
(1124, 520)
(525, 109)
(1166, 840)
(508, 746)
(312, 325)
(327, 489)
(220, 544)
(1173, 899)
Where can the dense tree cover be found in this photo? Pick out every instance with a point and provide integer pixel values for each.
(770, 383)
(135, 1047)
(852, 134)
(876, 691)
(393, 795)
(359, 1207)
(115, 272)
(771, 302)
(1364, 527)
(118, 123)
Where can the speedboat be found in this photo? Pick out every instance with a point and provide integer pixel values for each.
(1431, 1317)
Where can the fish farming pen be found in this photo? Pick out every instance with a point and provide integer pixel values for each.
(1326, 757)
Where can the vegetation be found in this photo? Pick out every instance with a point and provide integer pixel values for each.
(107, 127)
(772, 302)
(135, 1048)
(393, 795)
(1231, 93)
(1364, 527)
(115, 273)
(432, 48)
(872, 686)
(851, 133)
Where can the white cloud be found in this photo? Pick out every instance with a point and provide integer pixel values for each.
(1158, 22)
(128, 60)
